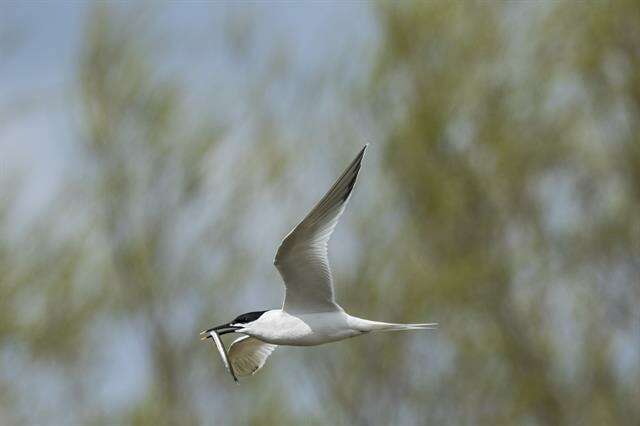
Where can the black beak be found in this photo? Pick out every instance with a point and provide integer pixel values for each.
(221, 329)
(225, 328)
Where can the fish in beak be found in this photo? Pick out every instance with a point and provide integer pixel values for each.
(214, 333)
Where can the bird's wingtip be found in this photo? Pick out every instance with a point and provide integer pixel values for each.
(360, 155)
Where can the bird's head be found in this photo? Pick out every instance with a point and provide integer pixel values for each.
(240, 322)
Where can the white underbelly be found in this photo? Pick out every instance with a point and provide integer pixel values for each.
(317, 337)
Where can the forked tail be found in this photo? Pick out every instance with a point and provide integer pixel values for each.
(383, 326)
(370, 326)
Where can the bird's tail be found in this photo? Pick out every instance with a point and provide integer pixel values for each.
(401, 327)
(369, 326)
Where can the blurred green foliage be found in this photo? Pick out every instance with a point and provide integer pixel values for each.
(501, 199)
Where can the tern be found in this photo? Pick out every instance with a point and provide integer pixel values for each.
(309, 315)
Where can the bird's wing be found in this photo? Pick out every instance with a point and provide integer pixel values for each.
(302, 257)
(247, 355)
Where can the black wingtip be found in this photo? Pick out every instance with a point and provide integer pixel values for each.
(361, 156)
(364, 148)
(356, 171)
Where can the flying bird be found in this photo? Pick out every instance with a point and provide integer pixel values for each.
(309, 315)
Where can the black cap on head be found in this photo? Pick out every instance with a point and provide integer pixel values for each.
(229, 328)
(248, 317)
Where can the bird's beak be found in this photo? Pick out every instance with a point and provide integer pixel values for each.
(224, 329)
(219, 330)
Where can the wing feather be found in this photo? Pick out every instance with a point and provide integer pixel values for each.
(302, 258)
(248, 354)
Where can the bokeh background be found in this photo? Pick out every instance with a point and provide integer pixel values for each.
(152, 156)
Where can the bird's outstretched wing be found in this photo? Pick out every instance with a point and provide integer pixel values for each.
(247, 355)
(302, 257)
